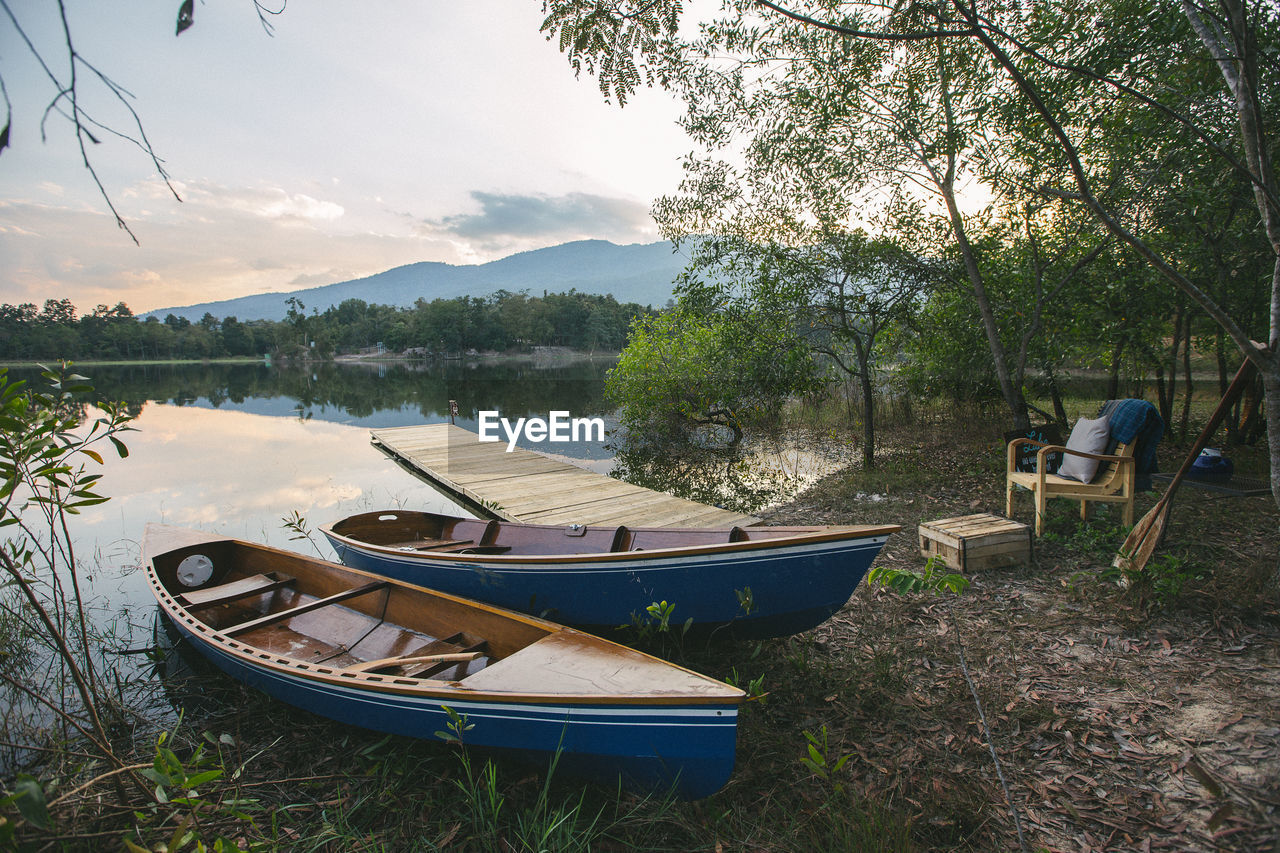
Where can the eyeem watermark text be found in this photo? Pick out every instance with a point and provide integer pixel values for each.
(558, 427)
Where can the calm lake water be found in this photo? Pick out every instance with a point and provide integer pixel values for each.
(234, 448)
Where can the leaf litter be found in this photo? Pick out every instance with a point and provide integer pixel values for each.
(1119, 726)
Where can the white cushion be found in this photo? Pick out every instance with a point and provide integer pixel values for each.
(1090, 437)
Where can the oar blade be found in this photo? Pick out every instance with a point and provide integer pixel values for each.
(1143, 539)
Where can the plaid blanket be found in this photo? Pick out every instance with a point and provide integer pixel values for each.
(1131, 420)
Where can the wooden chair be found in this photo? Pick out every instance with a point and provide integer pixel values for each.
(1113, 482)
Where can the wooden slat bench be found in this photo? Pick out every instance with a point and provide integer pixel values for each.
(199, 599)
(289, 613)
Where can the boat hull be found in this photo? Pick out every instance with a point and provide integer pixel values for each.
(345, 645)
(686, 749)
(758, 593)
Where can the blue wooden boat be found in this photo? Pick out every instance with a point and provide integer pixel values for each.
(757, 581)
(393, 657)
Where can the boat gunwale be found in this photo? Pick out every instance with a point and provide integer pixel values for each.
(402, 685)
(804, 536)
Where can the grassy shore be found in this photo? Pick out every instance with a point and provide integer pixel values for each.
(1123, 719)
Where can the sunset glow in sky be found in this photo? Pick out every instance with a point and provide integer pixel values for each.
(362, 136)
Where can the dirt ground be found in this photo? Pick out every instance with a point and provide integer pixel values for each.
(1122, 721)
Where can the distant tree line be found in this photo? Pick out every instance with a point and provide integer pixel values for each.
(502, 322)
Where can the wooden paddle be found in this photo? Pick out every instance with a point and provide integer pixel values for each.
(1149, 530)
(383, 663)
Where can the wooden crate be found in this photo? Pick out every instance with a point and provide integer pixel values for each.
(975, 542)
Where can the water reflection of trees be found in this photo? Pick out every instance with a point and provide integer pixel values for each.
(516, 388)
(743, 477)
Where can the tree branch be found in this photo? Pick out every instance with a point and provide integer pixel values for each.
(916, 35)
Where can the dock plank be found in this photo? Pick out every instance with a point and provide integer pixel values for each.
(533, 487)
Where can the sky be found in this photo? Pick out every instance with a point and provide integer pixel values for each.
(359, 137)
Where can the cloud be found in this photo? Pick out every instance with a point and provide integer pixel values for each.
(505, 219)
(227, 241)
(190, 253)
(264, 202)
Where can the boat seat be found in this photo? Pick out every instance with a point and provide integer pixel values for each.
(655, 539)
(290, 612)
(460, 643)
(199, 599)
(571, 539)
(473, 529)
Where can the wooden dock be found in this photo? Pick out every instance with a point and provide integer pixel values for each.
(527, 486)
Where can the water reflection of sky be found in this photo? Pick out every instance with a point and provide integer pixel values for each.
(414, 415)
(234, 450)
(238, 474)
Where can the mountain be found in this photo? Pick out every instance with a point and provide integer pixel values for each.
(641, 272)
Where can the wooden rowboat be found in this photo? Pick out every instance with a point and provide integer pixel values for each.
(397, 658)
(761, 581)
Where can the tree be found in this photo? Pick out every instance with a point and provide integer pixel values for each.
(80, 92)
(682, 374)
(804, 123)
(235, 338)
(1066, 72)
(838, 289)
(46, 447)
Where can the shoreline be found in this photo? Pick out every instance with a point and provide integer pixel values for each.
(539, 354)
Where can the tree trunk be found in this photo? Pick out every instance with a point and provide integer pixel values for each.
(868, 423)
(1055, 394)
(1167, 413)
(1236, 417)
(1012, 393)
(1186, 373)
(862, 351)
(1113, 380)
(1271, 383)
(1164, 394)
(1252, 421)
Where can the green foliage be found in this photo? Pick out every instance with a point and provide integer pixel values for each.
(184, 818)
(682, 374)
(457, 726)
(495, 821)
(29, 798)
(47, 461)
(934, 579)
(49, 456)
(297, 524)
(1011, 145)
(1159, 585)
(755, 686)
(504, 321)
(655, 622)
(548, 823)
(617, 44)
(1095, 539)
(837, 289)
(821, 760)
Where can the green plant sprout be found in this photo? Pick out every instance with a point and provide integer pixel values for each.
(932, 580)
(818, 758)
(297, 523)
